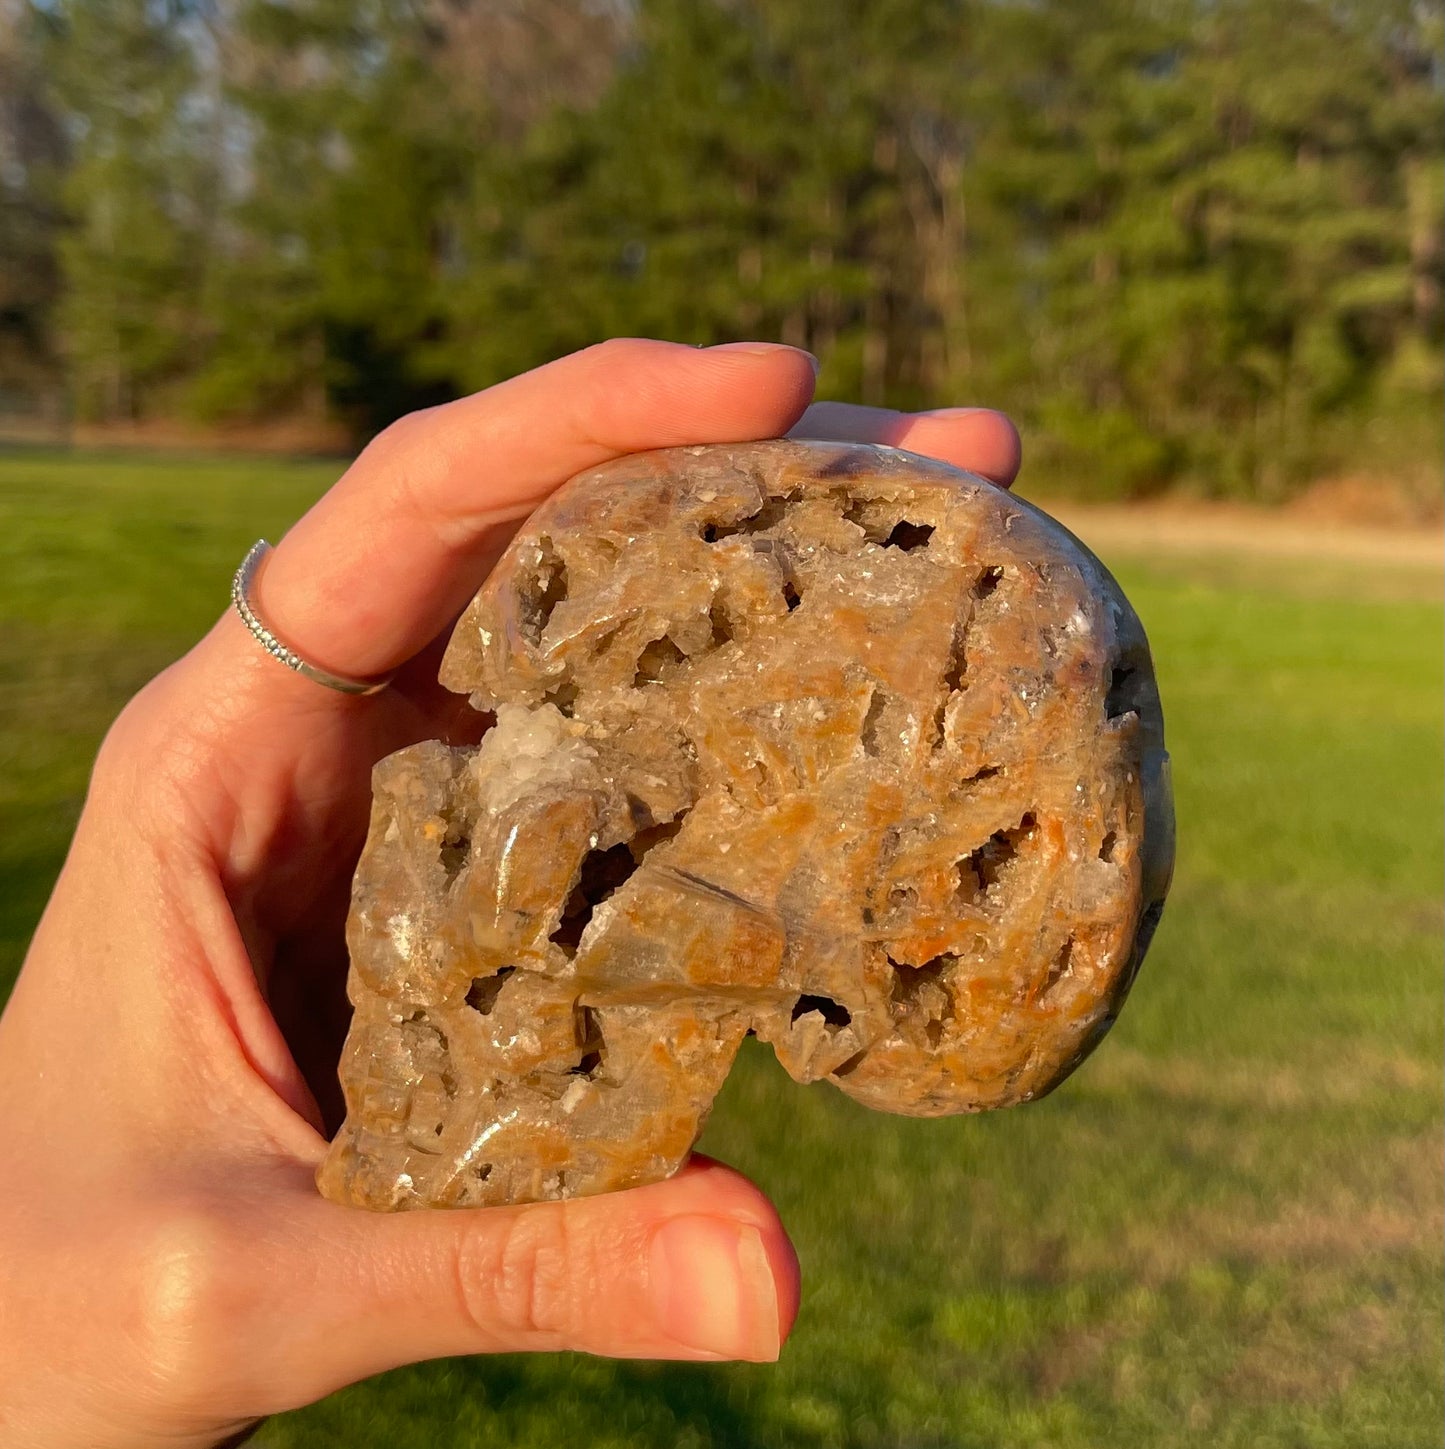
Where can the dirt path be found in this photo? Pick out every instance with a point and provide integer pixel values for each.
(1228, 529)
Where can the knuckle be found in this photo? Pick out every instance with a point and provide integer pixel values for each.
(416, 455)
(128, 752)
(126, 741)
(600, 410)
(183, 1319)
(398, 434)
(148, 758)
(524, 1287)
(403, 436)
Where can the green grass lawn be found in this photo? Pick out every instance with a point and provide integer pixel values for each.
(1224, 1230)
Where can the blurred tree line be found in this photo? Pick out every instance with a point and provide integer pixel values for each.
(1192, 241)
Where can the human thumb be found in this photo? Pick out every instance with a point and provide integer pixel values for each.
(698, 1267)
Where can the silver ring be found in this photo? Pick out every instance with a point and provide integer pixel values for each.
(241, 598)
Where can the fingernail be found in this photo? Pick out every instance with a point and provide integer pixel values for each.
(713, 1288)
(953, 412)
(765, 349)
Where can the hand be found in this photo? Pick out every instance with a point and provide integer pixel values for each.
(167, 1061)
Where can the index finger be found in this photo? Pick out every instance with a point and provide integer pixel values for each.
(386, 558)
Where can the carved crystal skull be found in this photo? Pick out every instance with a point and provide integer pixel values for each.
(828, 743)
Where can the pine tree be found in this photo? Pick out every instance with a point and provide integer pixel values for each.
(1217, 247)
(32, 155)
(324, 283)
(139, 197)
(756, 169)
(1183, 240)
